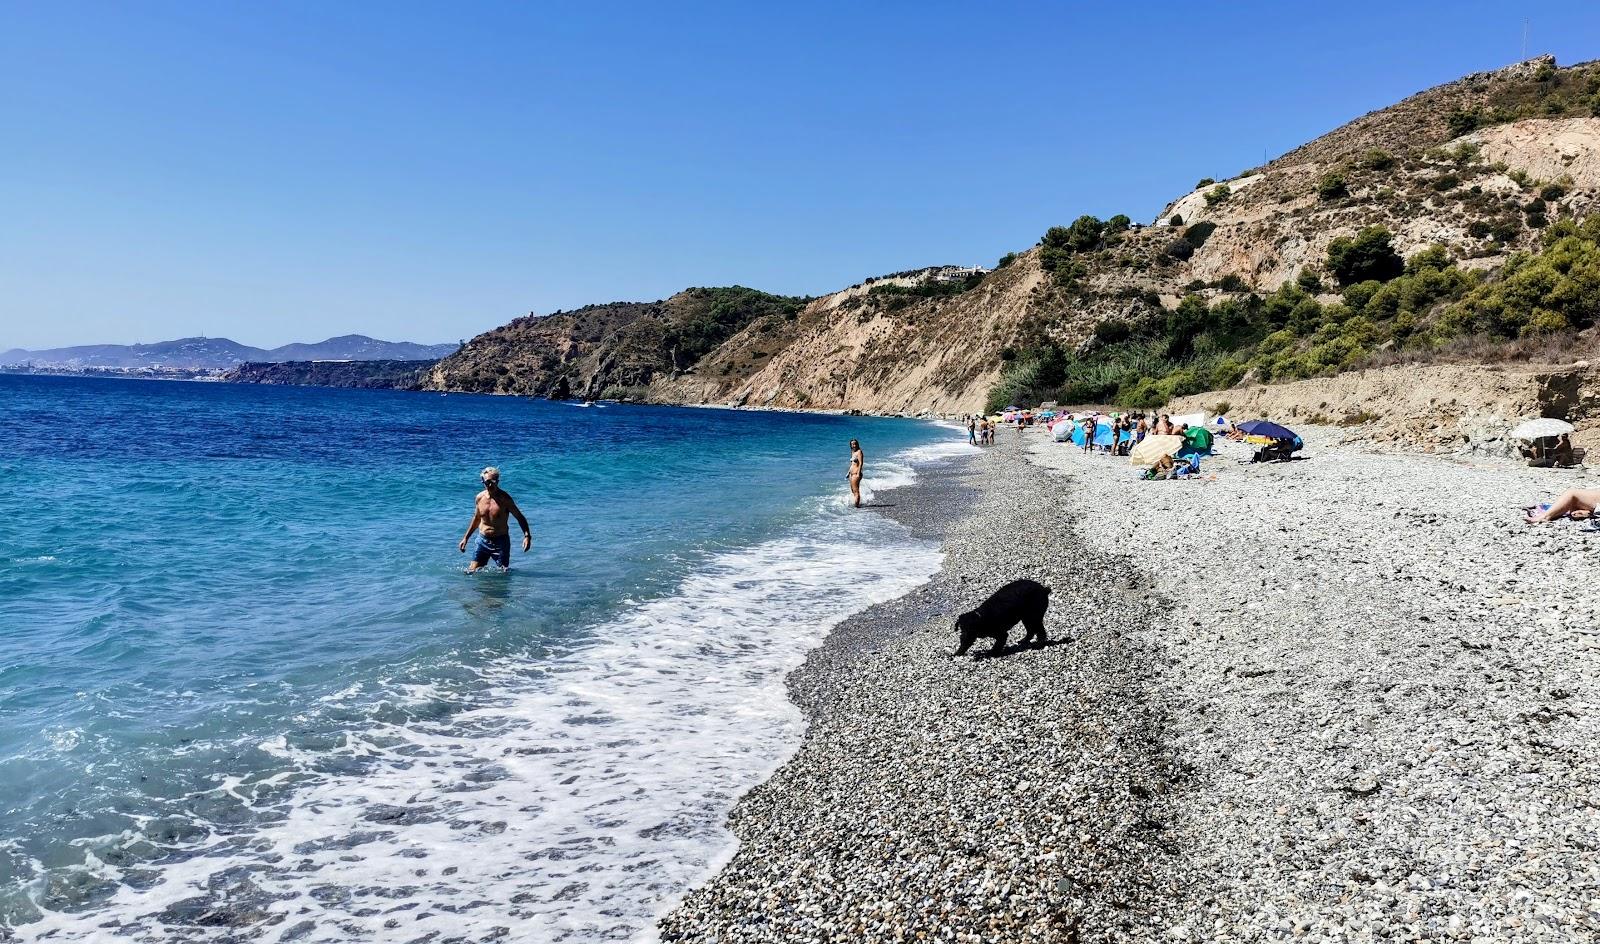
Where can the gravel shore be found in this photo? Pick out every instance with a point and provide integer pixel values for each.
(1349, 698)
(1019, 798)
(1386, 684)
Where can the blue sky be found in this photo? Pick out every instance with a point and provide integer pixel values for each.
(288, 171)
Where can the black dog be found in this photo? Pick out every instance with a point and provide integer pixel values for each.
(1020, 601)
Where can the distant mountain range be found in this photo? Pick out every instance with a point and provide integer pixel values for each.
(221, 353)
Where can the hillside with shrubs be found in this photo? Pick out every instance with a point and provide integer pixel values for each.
(1414, 233)
(1454, 225)
(614, 350)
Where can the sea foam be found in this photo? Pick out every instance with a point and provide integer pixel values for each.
(572, 800)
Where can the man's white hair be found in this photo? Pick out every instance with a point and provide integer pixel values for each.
(489, 473)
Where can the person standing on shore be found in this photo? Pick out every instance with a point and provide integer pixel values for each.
(1090, 427)
(858, 464)
(972, 431)
(491, 511)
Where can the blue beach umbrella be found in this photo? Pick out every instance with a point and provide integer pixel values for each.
(1269, 430)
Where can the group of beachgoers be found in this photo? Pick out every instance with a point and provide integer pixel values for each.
(1127, 430)
(1545, 454)
(980, 430)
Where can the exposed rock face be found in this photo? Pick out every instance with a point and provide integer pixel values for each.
(1547, 148)
(1461, 165)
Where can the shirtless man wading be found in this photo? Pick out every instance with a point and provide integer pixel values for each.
(858, 462)
(489, 520)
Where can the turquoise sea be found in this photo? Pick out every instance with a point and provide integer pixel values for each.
(247, 693)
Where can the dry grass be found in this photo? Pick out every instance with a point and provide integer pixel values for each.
(1545, 349)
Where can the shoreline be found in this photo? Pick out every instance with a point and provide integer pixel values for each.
(1343, 699)
(1003, 798)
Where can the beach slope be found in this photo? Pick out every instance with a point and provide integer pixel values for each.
(1349, 698)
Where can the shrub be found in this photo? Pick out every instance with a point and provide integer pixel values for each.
(1462, 121)
(1552, 192)
(1332, 186)
(1110, 332)
(1052, 258)
(1369, 255)
(1118, 224)
(1305, 316)
(1434, 257)
(1180, 249)
(1069, 272)
(1536, 294)
(1062, 241)
(1377, 159)
(1006, 260)
(1204, 182)
(1232, 283)
(1084, 233)
(1478, 229)
(1309, 282)
(1446, 181)
(1218, 194)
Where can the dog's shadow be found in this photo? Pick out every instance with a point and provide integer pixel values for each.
(1011, 649)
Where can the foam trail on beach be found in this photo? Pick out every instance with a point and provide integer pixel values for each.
(900, 469)
(567, 798)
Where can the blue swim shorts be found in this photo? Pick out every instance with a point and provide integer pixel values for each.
(497, 549)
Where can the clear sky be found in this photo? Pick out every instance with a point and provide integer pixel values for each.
(424, 171)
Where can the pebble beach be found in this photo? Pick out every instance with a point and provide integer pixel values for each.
(1348, 698)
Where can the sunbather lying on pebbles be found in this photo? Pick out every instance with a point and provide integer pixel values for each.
(1577, 503)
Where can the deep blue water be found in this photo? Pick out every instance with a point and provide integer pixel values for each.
(235, 640)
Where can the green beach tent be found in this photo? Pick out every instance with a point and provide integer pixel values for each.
(1198, 439)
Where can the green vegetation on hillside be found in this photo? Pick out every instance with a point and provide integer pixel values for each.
(928, 288)
(1386, 304)
(716, 314)
(1062, 247)
(1550, 93)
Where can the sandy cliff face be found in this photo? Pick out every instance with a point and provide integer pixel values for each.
(858, 350)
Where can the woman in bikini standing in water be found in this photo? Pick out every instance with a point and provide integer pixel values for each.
(858, 461)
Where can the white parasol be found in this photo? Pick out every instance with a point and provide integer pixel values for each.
(1540, 428)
